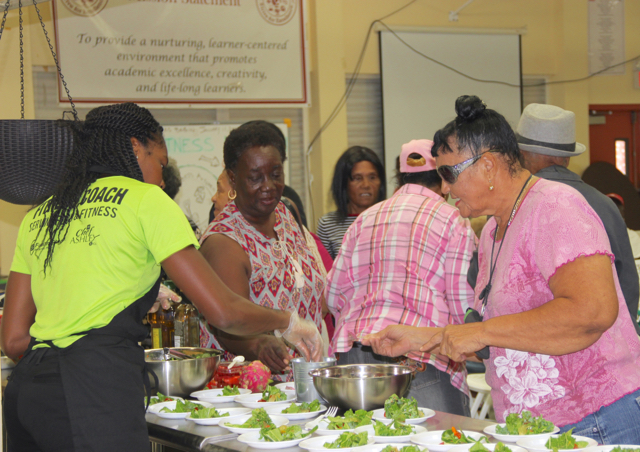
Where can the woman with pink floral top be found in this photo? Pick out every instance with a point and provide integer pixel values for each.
(556, 335)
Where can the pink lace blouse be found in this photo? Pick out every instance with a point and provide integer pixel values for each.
(554, 226)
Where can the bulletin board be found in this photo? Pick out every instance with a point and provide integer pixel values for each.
(223, 52)
(198, 151)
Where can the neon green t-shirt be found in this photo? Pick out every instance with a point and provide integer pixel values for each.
(111, 256)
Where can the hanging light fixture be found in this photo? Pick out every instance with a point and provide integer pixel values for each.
(32, 152)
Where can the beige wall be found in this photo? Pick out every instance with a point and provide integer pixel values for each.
(555, 45)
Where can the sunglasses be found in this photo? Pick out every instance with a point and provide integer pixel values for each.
(450, 173)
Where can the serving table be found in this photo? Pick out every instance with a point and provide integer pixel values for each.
(185, 435)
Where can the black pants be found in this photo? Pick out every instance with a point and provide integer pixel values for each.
(88, 397)
(432, 388)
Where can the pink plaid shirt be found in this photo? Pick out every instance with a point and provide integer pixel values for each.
(403, 261)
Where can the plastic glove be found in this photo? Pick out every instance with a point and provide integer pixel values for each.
(304, 336)
(165, 296)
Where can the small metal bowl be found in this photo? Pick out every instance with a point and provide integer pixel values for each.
(181, 377)
(361, 386)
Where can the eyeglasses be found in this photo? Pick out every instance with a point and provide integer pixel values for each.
(450, 173)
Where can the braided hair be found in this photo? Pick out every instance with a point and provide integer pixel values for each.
(102, 145)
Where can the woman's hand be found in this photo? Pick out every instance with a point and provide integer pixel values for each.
(273, 353)
(398, 340)
(305, 337)
(164, 299)
(456, 342)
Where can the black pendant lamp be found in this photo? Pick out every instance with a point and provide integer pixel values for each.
(32, 151)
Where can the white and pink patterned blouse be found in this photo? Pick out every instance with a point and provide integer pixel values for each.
(274, 265)
(554, 226)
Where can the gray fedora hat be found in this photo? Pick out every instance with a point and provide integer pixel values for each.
(550, 130)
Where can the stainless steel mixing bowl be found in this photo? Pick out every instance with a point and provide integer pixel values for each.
(181, 377)
(361, 386)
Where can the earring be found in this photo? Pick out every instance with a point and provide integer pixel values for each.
(231, 198)
(490, 187)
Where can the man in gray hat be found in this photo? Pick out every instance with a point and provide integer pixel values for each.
(546, 136)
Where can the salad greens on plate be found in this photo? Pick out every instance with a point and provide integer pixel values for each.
(401, 409)
(259, 419)
(396, 428)
(350, 420)
(160, 398)
(457, 436)
(564, 441)
(284, 433)
(206, 413)
(304, 407)
(272, 394)
(348, 439)
(229, 391)
(524, 424)
(478, 447)
(183, 406)
(624, 449)
(391, 448)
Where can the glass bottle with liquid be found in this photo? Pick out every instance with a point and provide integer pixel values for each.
(162, 323)
(187, 325)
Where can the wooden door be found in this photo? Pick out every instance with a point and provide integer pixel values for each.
(613, 138)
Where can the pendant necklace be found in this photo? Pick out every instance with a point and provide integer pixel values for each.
(484, 295)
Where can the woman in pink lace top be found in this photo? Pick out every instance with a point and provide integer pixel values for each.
(561, 341)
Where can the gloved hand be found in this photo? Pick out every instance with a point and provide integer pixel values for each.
(304, 336)
(165, 295)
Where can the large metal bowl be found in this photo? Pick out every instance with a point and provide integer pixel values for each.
(361, 386)
(181, 377)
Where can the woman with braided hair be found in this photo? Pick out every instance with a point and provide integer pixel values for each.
(85, 272)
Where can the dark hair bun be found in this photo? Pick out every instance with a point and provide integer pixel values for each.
(469, 108)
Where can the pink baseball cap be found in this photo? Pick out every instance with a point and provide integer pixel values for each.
(422, 148)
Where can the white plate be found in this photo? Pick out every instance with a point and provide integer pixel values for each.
(316, 444)
(287, 387)
(379, 416)
(490, 446)
(390, 439)
(491, 430)
(277, 420)
(233, 412)
(537, 444)
(253, 440)
(155, 409)
(277, 410)
(378, 447)
(251, 400)
(611, 447)
(215, 395)
(433, 440)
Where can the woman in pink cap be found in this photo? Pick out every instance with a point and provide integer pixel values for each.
(404, 261)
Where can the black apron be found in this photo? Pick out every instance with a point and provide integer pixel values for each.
(103, 377)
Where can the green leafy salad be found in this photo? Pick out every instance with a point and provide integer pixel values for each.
(183, 406)
(304, 407)
(391, 448)
(159, 398)
(284, 433)
(229, 390)
(401, 409)
(272, 394)
(457, 436)
(206, 413)
(396, 428)
(524, 424)
(350, 420)
(624, 449)
(259, 419)
(348, 439)
(478, 447)
(564, 441)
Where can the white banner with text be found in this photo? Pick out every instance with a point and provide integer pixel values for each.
(182, 51)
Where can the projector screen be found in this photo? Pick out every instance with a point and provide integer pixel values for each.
(418, 95)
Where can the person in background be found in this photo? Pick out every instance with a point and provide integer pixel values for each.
(404, 261)
(548, 303)
(172, 178)
(221, 197)
(86, 271)
(546, 137)
(359, 181)
(257, 247)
